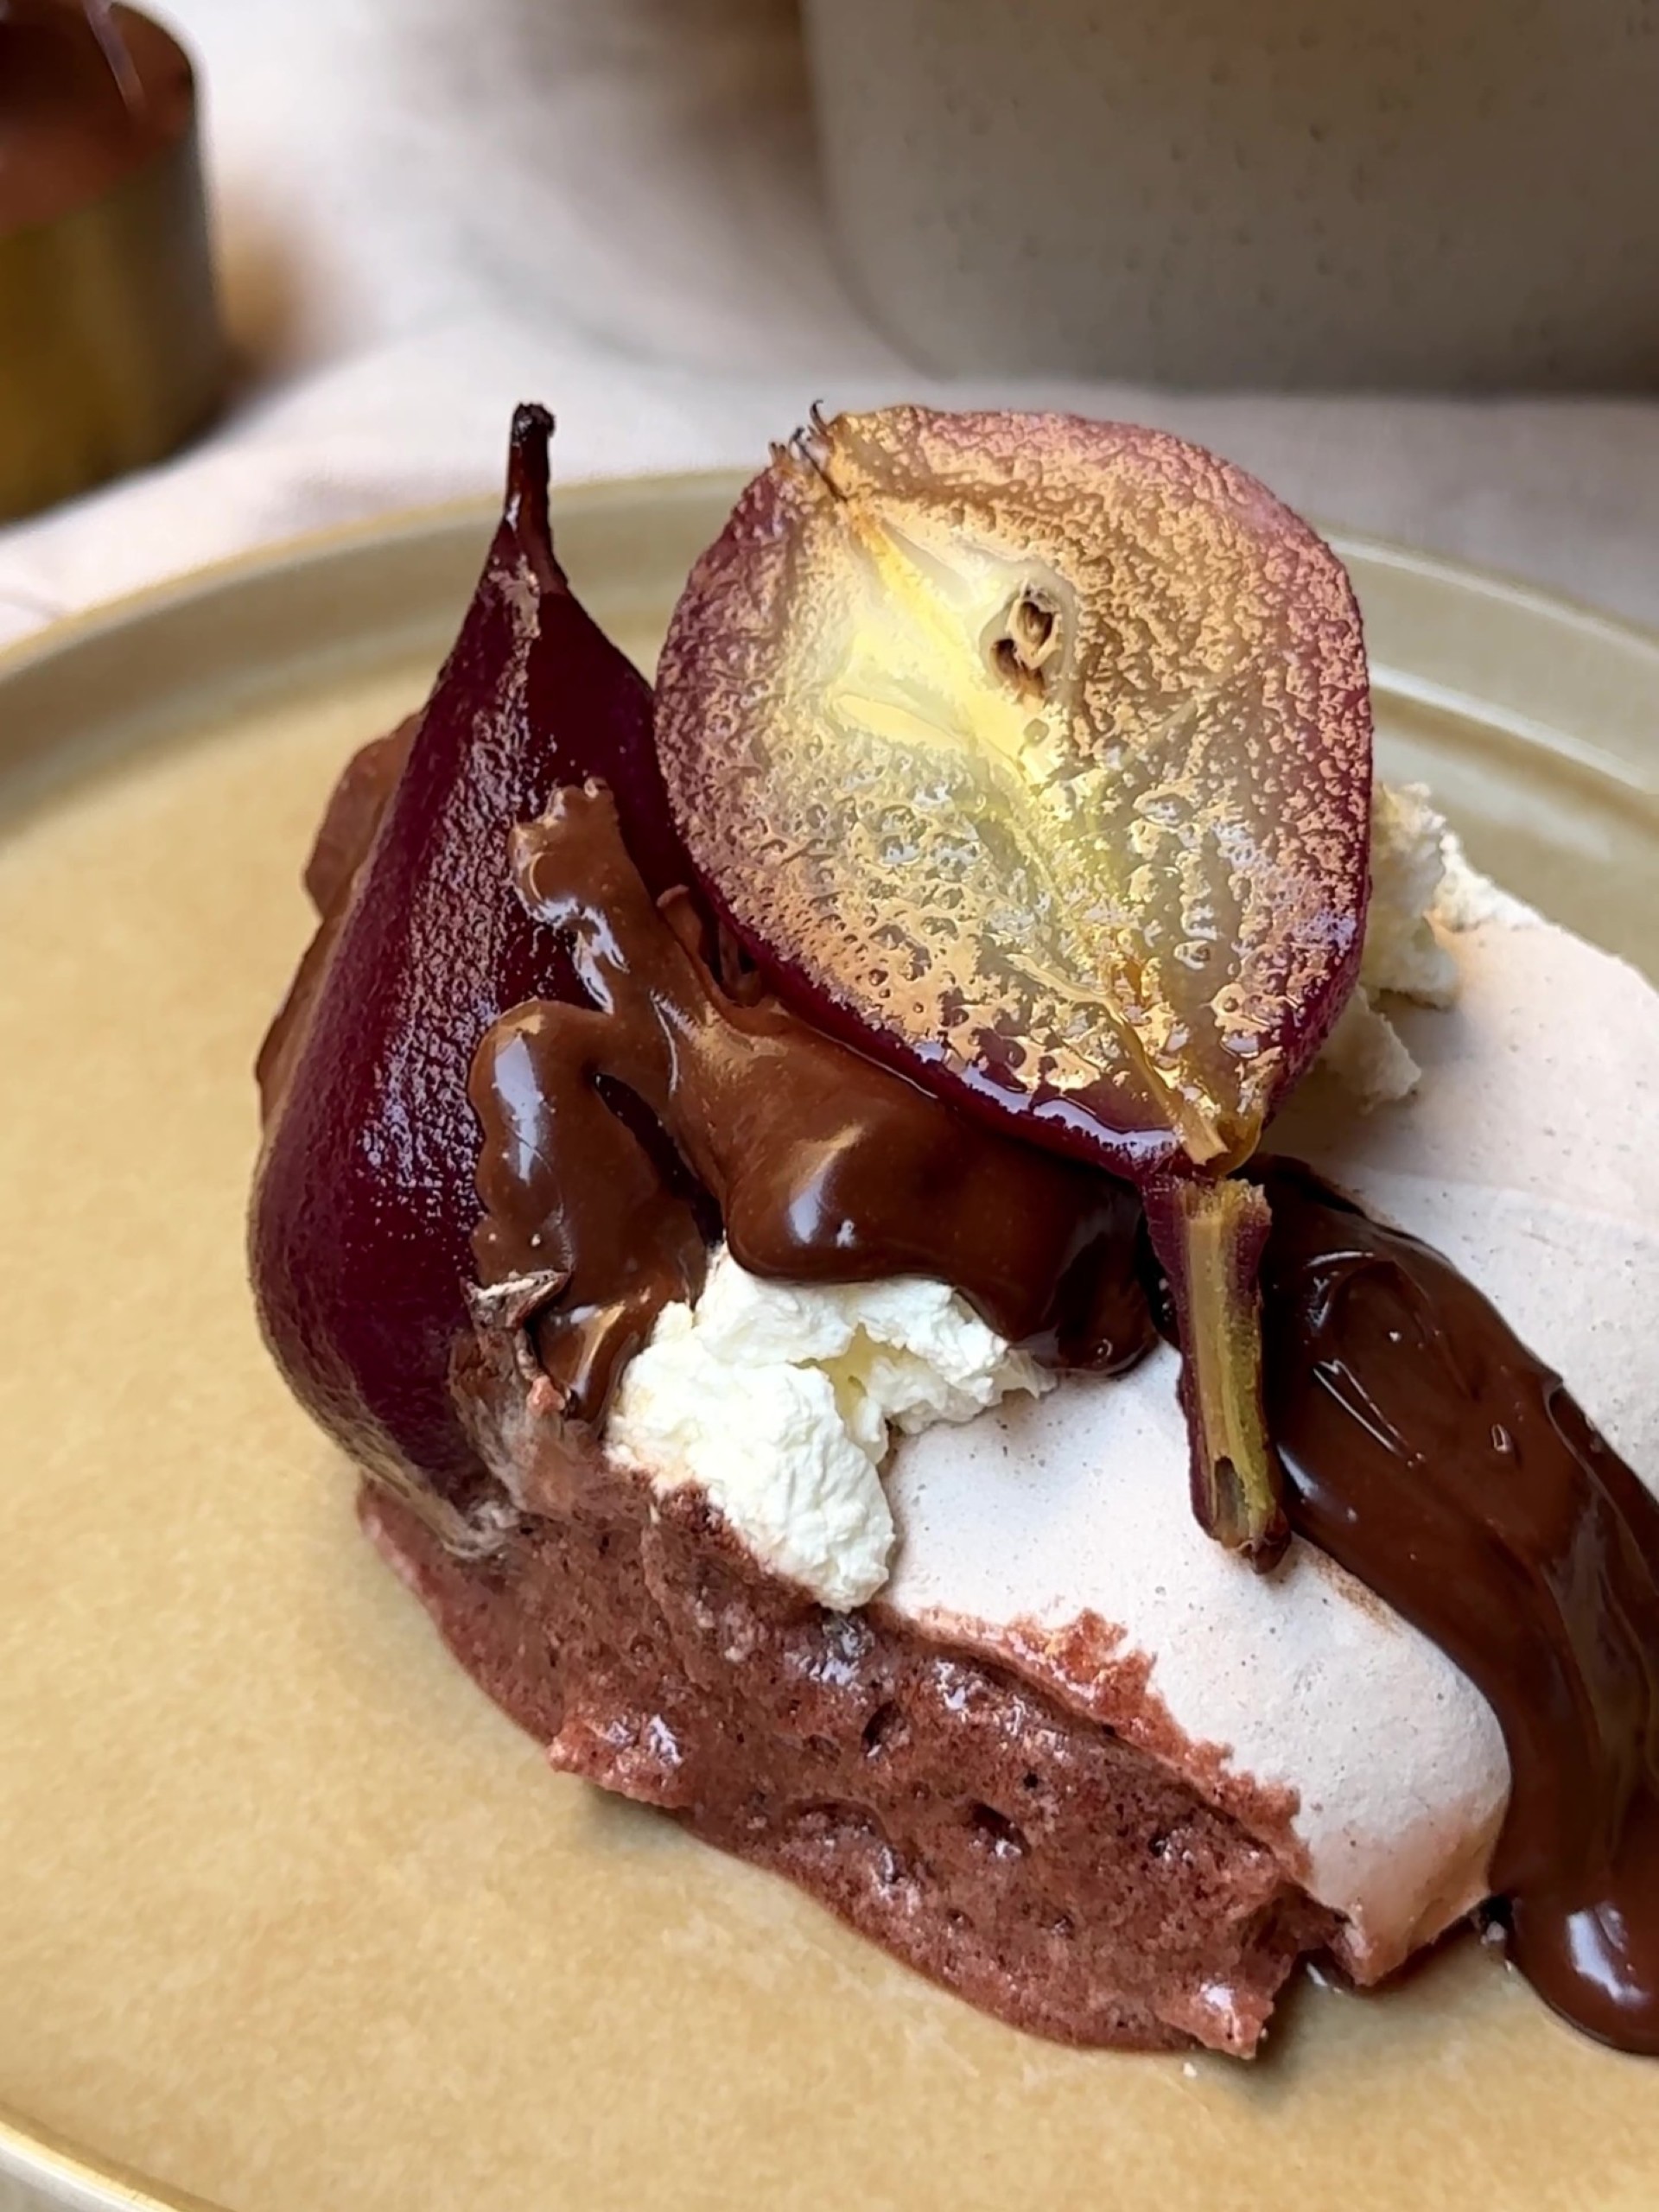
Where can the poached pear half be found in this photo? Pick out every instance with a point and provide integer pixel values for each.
(1032, 755)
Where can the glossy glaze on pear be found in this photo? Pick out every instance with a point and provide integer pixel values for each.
(1036, 753)
(1032, 756)
(364, 1201)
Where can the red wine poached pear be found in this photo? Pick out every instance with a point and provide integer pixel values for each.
(365, 1200)
(1032, 756)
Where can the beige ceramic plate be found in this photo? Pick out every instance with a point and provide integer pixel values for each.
(290, 1919)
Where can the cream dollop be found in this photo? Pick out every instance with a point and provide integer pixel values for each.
(1412, 855)
(781, 1401)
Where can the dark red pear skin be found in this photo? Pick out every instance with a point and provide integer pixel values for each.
(364, 1201)
(1032, 756)
(1103, 885)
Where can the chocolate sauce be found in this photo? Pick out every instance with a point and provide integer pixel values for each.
(1431, 1454)
(82, 104)
(1426, 1449)
(823, 1167)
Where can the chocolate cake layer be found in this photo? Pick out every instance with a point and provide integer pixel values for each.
(1025, 1857)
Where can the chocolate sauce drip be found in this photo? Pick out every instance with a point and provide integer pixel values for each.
(823, 1167)
(1426, 1449)
(1431, 1454)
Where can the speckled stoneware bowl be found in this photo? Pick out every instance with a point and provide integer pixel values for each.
(1337, 192)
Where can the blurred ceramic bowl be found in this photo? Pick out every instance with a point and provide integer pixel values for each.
(1463, 192)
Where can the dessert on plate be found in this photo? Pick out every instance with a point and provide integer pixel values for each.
(948, 1249)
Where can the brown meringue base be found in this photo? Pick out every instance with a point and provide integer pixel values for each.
(1023, 1856)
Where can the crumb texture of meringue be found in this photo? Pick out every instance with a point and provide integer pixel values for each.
(779, 1401)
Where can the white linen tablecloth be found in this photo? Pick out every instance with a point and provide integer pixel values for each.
(428, 209)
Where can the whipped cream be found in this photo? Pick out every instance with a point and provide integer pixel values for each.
(1423, 891)
(781, 1401)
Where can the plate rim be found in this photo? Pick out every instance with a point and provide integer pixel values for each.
(80, 2179)
(63, 631)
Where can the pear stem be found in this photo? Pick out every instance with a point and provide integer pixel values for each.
(1210, 1236)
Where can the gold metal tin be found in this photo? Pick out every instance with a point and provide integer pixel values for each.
(111, 351)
